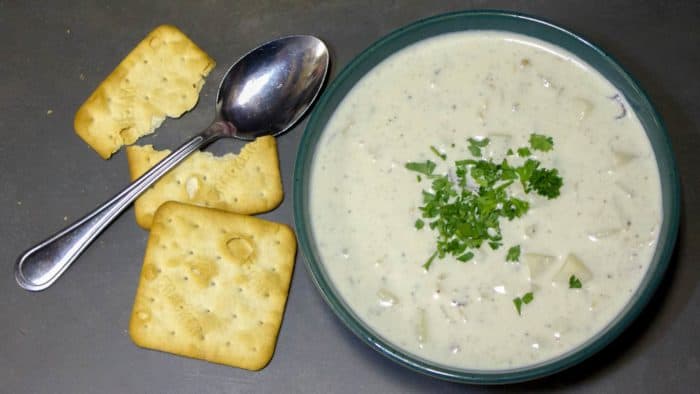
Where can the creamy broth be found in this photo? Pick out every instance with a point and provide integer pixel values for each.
(503, 86)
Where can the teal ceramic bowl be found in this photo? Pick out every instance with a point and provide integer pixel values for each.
(522, 24)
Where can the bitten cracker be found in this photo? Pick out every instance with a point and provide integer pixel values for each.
(161, 77)
(213, 286)
(247, 183)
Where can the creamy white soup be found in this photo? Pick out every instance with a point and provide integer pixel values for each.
(581, 254)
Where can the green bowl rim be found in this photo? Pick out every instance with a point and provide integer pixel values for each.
(574, 356)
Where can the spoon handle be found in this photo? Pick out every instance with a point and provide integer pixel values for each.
(41, 265)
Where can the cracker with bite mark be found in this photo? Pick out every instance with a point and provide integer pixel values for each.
(213, 285)
(160, 77)
(247, 183)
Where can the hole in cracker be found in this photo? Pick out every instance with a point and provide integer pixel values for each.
(212, 284)
(277, 242)
(172, 333)
(266, 295)
(235, 316)
(185, 278)
(235, 199)
(228, 343)
(218, 257)
(146, 98)
(274, 269)
(145, 61)
(254, 349)
(164, 79)
(240, 289)
(190, 252)
(207, 310)
(260, 323)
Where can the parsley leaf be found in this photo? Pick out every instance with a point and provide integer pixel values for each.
(430, 261)
(524, 152)
(518, 304)
(513, 253)
(574, 282)
(546, 182)
(525, 172)
(426, 168)
(525, 299)
(541, 142)
(437, 153)
(476, 145)
(466, 257)
(419, 224)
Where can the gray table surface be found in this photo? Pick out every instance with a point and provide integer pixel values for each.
(72, 337)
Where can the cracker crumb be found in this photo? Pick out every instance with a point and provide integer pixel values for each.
(82, 77)
(19, 202)
(68, 31)
(49, 112)
(65, 218)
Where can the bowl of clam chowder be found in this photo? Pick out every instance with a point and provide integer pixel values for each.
(485, 197)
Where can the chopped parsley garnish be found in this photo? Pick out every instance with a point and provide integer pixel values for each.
(509, 152)
(513, 253)
(574, 282)
(465, 208)
(541, 142)
(525, 299)
(476, 145)
(437, 153)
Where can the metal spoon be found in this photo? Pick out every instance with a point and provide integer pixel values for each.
(264, 93)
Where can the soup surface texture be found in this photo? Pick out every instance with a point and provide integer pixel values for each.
(601, 230)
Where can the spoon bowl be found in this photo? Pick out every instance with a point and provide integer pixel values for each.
(264, 93)
(289, 86)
